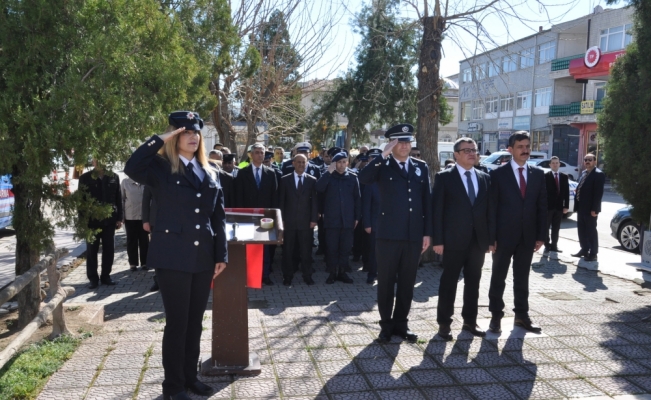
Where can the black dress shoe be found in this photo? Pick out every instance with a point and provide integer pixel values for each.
(495, 325)
(406, 334)
(267, 281)
(554, 248)
(179, 396)
(370, 280)
(287, 282)
(581, 253)
(445, 333)
(200, 388)
(108, 282)
(144, 267)
(93, 285)
(527, 324)
(590, 257)
(384, 337)
(355, 258)
(308, 280)
(331, 278)
(343, 277)
(474, 329)
(133, 268)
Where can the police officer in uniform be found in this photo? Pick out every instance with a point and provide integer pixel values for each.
(188, 246)
(404, 227)
(311, 169)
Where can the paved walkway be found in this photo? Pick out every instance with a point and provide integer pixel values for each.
(318, 342)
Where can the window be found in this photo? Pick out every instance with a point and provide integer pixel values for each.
(480, 71)
(615, 38)
(527, 58)
(524, 100)
(466, 110)
(467, 75)
(600, 91)
(546, 52)
(543, 97)
(509, 64)
(477, 110)
(491, 104)
(493, 69)
(506, 103)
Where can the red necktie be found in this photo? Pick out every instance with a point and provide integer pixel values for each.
(558, 187)
(523, 183)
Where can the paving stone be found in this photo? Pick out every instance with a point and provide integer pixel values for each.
(379, 364)
(457, 361)
(600, 353)
(534, 390)
(400, 394)
(564, 355)
(257, 389)
(302, 387)
(62, 394)
(346, 383)
(431, 377)
(416, 362)
(124, 361)
(472, 376)
(322, 341)
(405, 349)
(370, 351)
(70, 379)
(339, 367)
(589, 369)
(332, 353)
(111, 377)
(296, 370)
(354, 396)
(551, 371)
(82, 363)
(511, 374)
(644, 382)
(625, 367)
(615, 386)
(493, 391)
(575, 388)
(561, 330)
(545, 343)
(223, 390)
(632, 351)
(114, 392)
(446, 393)
(576, 342)
(357, 339)
(439, 347)
(290, 355)
(392, 380)
(528, 357)
(492, 359)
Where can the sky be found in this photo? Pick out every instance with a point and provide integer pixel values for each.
(526, 16)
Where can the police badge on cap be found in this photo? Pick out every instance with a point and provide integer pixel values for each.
(189, 120)
(402, 132)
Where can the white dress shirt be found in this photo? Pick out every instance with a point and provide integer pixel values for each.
(296, 178)
(464, 178)
(515, 167)
(196, 167)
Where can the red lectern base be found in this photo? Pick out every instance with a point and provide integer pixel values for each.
(253, 369)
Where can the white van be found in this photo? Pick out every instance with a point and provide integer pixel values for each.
(446, 150)
(502, 157)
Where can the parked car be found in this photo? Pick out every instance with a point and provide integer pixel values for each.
(627, 232)
(6, 201)
(502, 157)
(572, 172)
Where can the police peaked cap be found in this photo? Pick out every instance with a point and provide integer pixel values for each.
(362, 157)
(334, 150)
(229, 158)
(189, 120)
(374, 152)
(268, 155)
(402, 132)
(303, 146)
(339, 156)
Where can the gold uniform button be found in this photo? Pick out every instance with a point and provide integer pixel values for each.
(198, 194)
(197, 226)
(196, 243)
(196, 210)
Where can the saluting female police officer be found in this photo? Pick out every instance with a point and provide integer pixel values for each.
(188, 247)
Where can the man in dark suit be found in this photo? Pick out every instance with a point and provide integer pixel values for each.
(298, 204)
(558, 202)
(460, 215)
(518, 228)
(587, 204)
(342, 210)
(256, 187)
(370, 213)
(404, 227)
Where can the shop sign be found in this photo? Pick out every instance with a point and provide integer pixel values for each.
(592, 56)
(505, 123)
(522, 123)
(601, 63)
(504, 135)
(587, 107)
(474, 126)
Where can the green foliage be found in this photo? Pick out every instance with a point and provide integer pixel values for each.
(625, 122)
(25, 375)
(446, 112)
(250, 62)
(380, 88)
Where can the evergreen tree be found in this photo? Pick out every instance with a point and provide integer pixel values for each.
(625, 121)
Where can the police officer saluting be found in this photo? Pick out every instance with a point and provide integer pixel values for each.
(404, 227)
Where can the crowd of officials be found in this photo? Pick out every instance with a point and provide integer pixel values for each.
(379, 207)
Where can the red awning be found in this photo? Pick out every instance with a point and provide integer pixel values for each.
(579, 70)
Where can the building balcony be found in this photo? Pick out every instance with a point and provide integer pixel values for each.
(574, 108)
(559, 64)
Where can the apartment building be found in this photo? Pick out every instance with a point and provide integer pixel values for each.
(528, 85)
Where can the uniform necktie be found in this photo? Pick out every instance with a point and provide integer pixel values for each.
(558, 187)
(192, 176)
(300, 183)
(257, 176)
(523, 183)
(402, 167)
(471, 188)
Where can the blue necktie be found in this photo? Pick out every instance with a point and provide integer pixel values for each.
(257, 176)
(192, 176)
(471, 188)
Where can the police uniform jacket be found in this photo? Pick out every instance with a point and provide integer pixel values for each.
(189, 232)
(370, 206)
(405, 200)
(342, 204)
(149, 208)
(105, 190)
(310, 168)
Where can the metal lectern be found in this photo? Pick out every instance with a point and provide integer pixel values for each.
(230, 324)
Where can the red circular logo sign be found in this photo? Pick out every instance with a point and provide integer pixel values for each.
(592, 56)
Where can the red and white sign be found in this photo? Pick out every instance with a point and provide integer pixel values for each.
(592, 56)
(600, 70)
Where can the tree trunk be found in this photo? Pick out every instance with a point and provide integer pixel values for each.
(26, 218)
(429, 91)
(221, 117)
(349, 136)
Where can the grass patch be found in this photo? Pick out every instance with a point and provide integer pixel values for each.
(73, 308)
(159, 320)
(25, 375)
